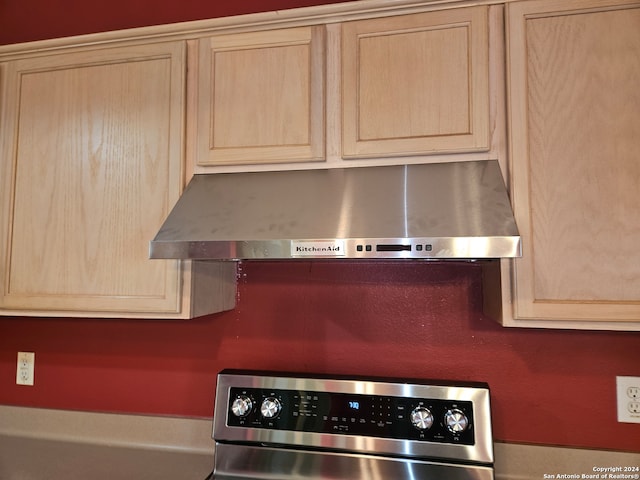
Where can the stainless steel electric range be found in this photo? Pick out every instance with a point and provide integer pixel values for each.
(291, 426)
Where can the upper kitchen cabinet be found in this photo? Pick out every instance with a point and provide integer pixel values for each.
(416, 84)
(260, 97)
(91, 161)
(573, 70)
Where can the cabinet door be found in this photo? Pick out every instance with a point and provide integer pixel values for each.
(416, 84)
(574, 68)
(261, 97)
(91, 163)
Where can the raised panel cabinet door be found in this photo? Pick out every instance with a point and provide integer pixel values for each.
(260, 97)
(416, 84)
(574, 70)
(92, 150)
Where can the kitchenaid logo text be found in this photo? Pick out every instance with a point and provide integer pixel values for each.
(317, 249)
(330, 248)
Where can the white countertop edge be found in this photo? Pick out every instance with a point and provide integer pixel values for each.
(536, 462)
(113, 429)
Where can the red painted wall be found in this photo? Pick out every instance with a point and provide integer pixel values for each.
(398, 319)
(27, 20)
(395, 319)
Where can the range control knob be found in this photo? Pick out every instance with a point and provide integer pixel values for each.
(241, 406)
(421, 418)
(456, 421)
(270, 407)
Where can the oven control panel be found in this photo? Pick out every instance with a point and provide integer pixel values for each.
(381, 416)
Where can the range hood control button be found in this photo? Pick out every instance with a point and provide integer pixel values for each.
(270, 407)
(456, 421)
(421, 418)
(241, 406)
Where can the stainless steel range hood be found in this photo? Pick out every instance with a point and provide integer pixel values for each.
(435, 211)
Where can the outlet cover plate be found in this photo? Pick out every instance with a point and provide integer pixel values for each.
(25, 368)
(628, 394)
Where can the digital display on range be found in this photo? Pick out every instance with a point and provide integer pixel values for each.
(370, 415)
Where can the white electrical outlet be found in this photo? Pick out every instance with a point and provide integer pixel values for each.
(628, 392)
(26, 366)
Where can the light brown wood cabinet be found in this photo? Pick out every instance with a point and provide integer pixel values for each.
(404, 85)
(573, 74)
(260, 97)
(416, 84)
(92, 157)
(93, 142)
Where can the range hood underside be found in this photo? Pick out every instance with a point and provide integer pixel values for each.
(390, 248)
